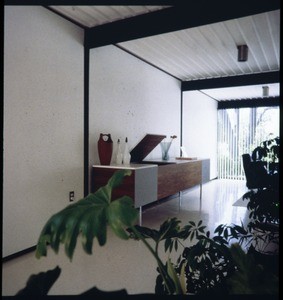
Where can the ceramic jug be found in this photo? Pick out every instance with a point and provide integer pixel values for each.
(105, 148)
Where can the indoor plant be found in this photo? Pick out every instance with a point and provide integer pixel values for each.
(263, 204)
(219, 264)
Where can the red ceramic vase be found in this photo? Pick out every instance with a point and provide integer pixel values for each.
(105, 148)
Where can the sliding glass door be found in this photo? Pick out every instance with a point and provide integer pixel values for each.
(240, 130)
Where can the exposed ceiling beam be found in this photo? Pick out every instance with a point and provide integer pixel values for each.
(197, 13)
(240, 80)
(249, 103)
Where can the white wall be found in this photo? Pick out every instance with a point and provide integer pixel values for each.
(200, 127)
(43, 121)
(129, 98)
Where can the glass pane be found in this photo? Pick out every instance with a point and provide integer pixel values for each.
(240, 131)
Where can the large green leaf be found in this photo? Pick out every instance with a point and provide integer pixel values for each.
(168, 229)
(89, 218)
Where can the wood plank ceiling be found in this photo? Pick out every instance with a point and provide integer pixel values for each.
(199, 52)
(92, 16)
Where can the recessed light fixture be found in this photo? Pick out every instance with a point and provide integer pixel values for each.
(242, 52)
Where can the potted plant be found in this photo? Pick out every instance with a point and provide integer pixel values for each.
(221, 264)
(263, 204)
(262, 232)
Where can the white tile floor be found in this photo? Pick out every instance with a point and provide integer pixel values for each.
(127, 264)
(216, 206)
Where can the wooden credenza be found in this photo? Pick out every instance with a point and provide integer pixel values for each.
(154, 180)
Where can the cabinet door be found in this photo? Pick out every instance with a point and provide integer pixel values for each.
(174, 178)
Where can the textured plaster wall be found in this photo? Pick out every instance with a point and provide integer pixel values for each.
(43, 121)
(129, 98)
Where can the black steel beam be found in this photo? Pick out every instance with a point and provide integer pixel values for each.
(86, 121)
(249, 103)
(196, 13)
(231, 81)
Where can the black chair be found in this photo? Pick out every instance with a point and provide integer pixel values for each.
(255, 172)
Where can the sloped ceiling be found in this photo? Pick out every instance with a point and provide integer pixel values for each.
(96, 15)
(207, 51)
(210, 51)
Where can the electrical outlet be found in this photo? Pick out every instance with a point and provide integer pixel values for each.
(71, 196)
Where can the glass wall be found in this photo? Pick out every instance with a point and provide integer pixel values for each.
(240, 130)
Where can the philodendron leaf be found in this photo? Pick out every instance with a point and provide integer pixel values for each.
(121, 214)
(89, 218)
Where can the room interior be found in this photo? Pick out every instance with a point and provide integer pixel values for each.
(73, 72)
